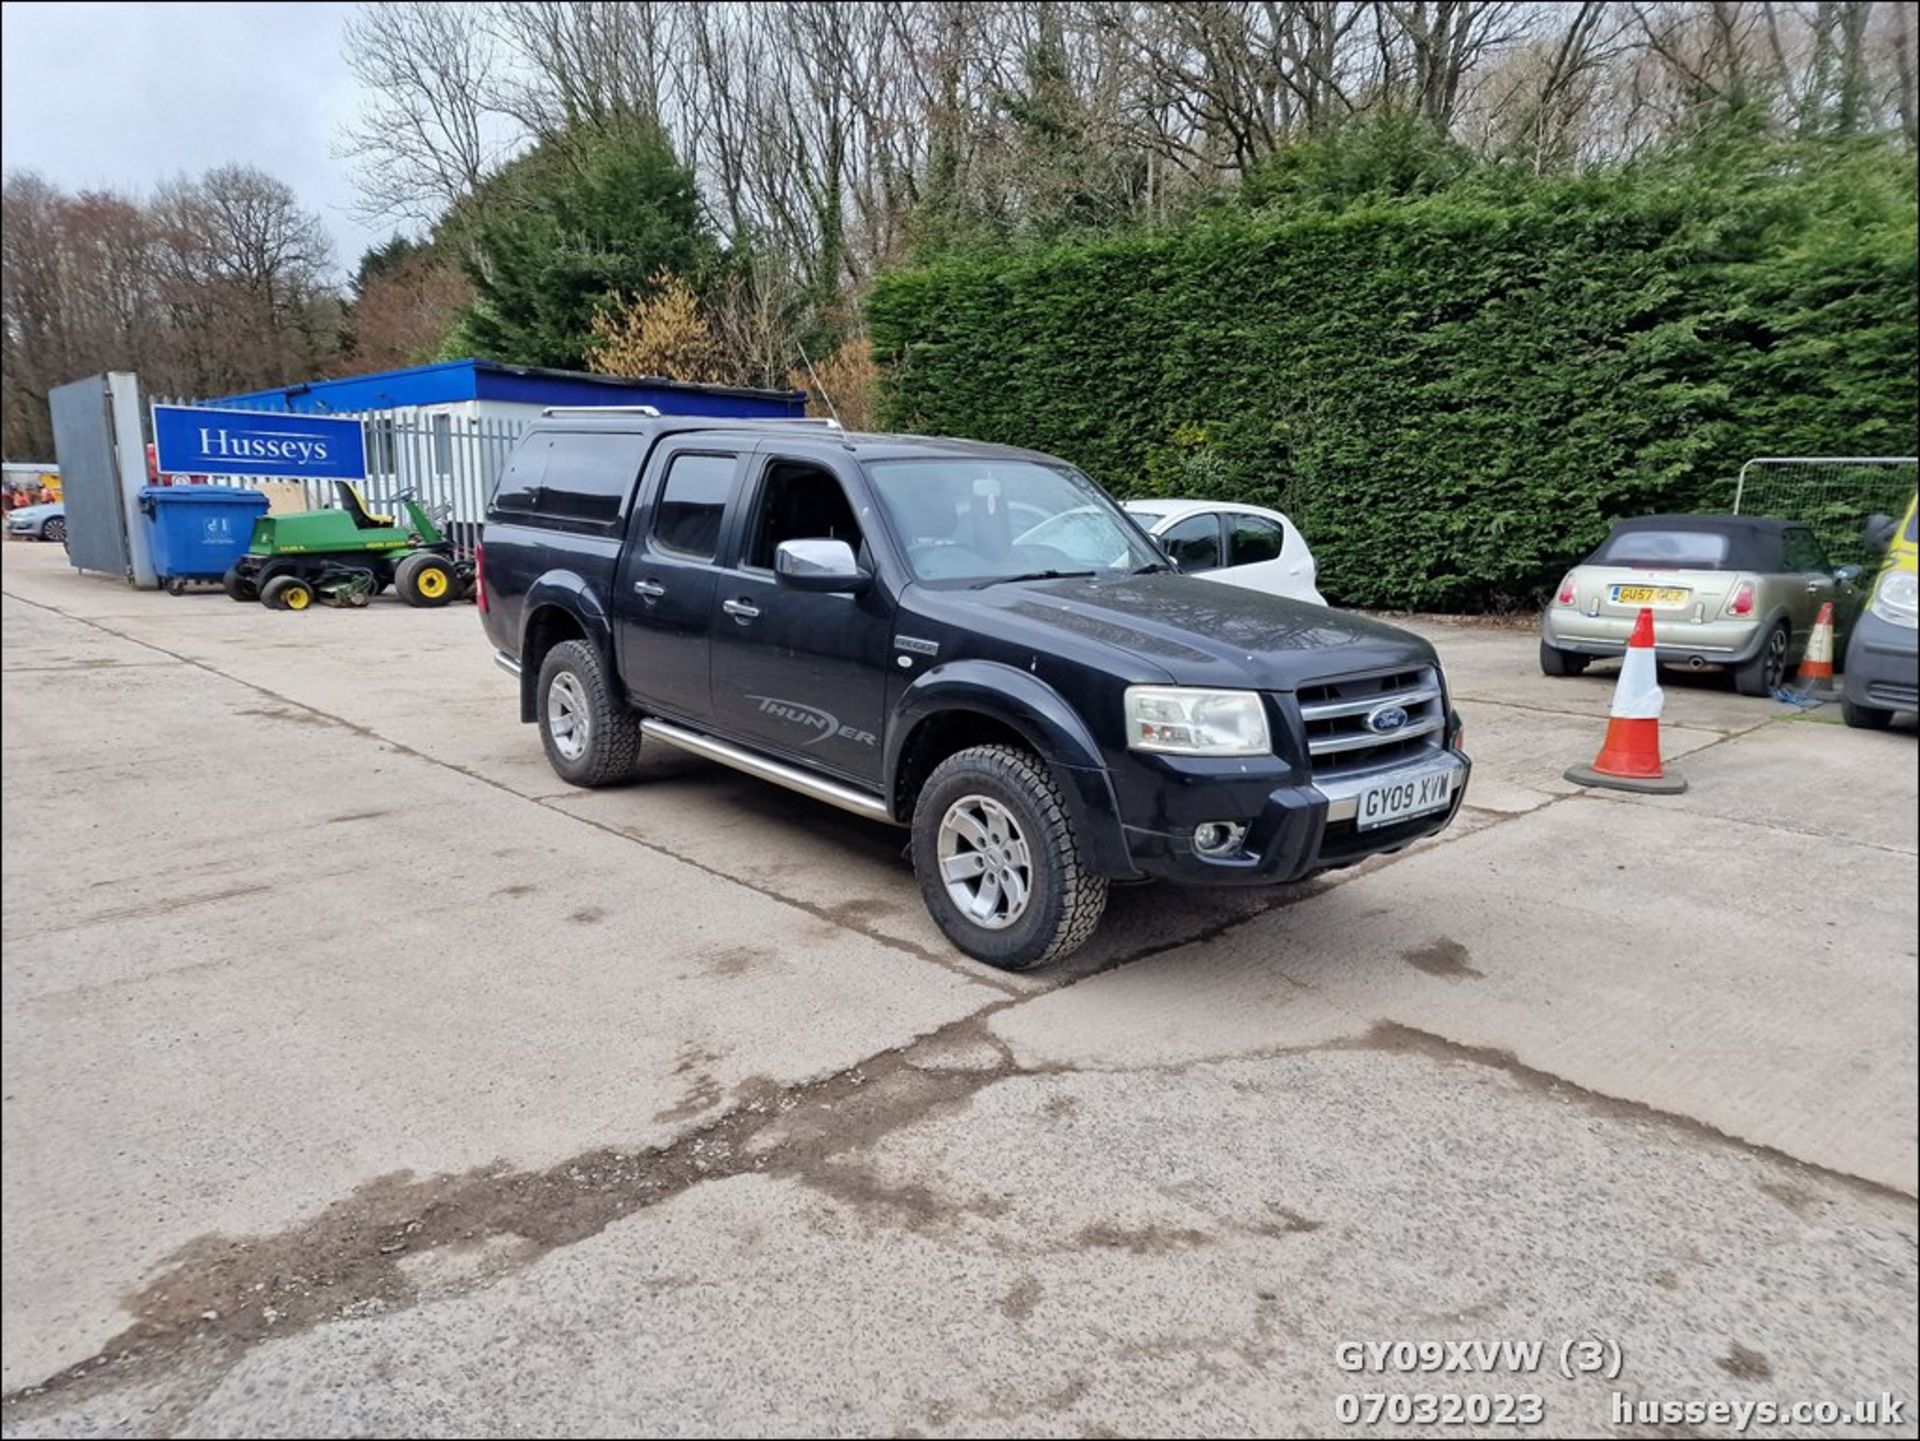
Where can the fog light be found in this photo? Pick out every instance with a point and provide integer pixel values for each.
(1218, 838)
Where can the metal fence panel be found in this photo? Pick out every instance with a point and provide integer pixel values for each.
(1835, 494)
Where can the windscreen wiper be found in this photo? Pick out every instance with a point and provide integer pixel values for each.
(1031, 575)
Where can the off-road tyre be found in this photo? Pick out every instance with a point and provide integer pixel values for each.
(1064, 900)
(606, 755)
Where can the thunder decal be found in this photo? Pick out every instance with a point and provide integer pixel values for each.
(824, 723)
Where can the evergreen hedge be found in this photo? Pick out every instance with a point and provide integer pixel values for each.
(1451, 395)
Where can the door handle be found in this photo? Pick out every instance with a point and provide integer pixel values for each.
(651, 589)
(740, 609)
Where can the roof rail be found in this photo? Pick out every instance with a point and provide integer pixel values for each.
(721, 421)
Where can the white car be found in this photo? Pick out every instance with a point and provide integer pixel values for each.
(1242, 545)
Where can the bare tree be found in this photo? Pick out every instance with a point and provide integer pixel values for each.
(429, 133)
(35, 339)
(1433, 47)
(242, 279)
(220, 283)
(829, 137)
(1901, 101)
(1541, 103)
(401, 315)
(584, 64)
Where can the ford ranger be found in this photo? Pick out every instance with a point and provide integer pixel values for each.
(970, 641)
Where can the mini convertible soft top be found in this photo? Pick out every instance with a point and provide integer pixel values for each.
(1736, 542)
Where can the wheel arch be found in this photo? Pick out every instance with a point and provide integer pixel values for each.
(561, 606)
(1777, 618)
(969, 703)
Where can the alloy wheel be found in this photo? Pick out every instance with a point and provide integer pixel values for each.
(1776, 660)
(985, 862)
(567, 721)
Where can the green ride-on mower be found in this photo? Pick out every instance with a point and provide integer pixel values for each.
(346, 557)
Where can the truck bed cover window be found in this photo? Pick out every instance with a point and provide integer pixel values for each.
(589, 477)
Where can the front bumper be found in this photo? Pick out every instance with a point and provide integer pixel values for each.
(1883, 665)
(1293, 832)
(1675, 641)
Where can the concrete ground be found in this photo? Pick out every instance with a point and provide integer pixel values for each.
(360, 1077)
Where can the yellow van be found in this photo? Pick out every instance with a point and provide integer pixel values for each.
(1883, 657)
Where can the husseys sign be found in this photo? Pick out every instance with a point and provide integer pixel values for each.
(194, 439)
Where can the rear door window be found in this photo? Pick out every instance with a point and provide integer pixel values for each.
(1194, 544)
(1253, 539)
(589, 477)
(693, 501)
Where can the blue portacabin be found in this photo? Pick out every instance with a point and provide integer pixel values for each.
(198, 531)
(200, 440)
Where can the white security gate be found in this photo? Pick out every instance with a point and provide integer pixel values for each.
(449, 464)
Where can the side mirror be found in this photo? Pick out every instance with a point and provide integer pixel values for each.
(1877, 534)
(819, 565)
(1848, 574)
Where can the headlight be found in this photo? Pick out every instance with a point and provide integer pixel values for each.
(1186, 721)
(1897, 598)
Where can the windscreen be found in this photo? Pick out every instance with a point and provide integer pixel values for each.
(1665, 549)
(984, 519)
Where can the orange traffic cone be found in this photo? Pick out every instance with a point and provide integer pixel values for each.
(1629, 759)
(1816, 666)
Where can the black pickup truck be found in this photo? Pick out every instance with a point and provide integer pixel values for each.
(969, 640)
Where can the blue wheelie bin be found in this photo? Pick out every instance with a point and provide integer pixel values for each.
(199, 530)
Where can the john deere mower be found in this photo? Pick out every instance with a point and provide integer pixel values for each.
(345, 556)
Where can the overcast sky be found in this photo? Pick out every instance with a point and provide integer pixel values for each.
(126, 95)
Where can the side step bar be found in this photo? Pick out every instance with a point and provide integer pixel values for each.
(793, 778)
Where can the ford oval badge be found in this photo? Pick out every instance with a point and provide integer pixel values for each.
(1387, 720)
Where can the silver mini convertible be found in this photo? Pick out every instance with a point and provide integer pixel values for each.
(1729, 591)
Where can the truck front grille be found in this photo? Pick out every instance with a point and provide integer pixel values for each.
(1339, 716)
